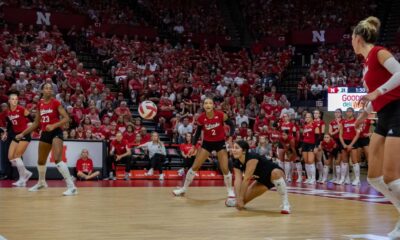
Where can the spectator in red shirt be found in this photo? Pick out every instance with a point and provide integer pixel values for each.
(188, 158)
(84, 167)
(119, 153)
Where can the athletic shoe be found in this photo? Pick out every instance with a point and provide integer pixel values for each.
(311, 182)
(299, 180)
(307, 181)
(71, 191)
(111, 177)
(179, 192)
(395, 234)
(150, 172)
(285, 208)
(347, 181)
(181, 172)
(127, 177)
(356, 182)
(19, 183)
(161, 177)
(38, 186)
(230, 202)
(27, 175)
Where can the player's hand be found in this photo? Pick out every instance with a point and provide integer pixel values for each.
(117, 158)
(4, 137)
(349, 148)
(239, 204)
(50, 127)
(19, 136)
(370, 97)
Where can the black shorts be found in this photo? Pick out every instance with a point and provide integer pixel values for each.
(48, 137)
(363, 142)
(26, 138)
(389, 120)
(266, 179)
(307, 147)
(333, 153)
(214, 146)
(347, 142)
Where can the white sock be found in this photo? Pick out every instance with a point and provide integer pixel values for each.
(63, 169)
(288, 169)
(325, 172)
(337, 172)
(299, 169)
(344, 168)
(228, 184)
(308, 170)
(356, 169)
(280, 185)
(320, 168)
(313, 171)
(383, 188)
(189, 178)
(42, 173)
(20, 166)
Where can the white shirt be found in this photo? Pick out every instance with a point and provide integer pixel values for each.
(221, 89)
(239, 80)
(316, 88)
(288, 111)
(241, 119)
(182, 130)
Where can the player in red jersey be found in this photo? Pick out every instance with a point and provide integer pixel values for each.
(334, 133)
(51, 139)
(287, 153)
(318, 154)
(382, 80)
(17, 117)
(348, 136)
(363, 141)
(211, 123)
(330, 150)
(310, 131)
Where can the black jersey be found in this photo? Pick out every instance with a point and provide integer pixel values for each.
(262, 173)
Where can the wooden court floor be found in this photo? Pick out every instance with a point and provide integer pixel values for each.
(153, 213)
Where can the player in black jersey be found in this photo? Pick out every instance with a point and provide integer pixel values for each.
(266, 175)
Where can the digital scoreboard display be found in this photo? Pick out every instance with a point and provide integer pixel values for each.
(345, 97)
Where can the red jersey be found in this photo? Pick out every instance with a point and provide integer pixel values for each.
(319, 123)
(119, 147)
(84, 165)
(213, 128)
(365, 128)
(48, 112)
(328, 146)
(286, 142)
(274, 136)
(375, 75)
(288, 126)
(18, 120)
(185, 147)
(129, 137)
(335, 126)
(309, 133)
(349, 131)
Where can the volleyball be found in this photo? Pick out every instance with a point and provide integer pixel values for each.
(147, 109)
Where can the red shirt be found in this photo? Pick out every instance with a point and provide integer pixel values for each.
(349, 131)
(48, 112)
(185, 147)
(328, 146)
(365, 128)
(213, 128)
(129, 137)
(18, 120)
(335, 126)
(119, 147)
(286, 142)
(288, 126)
(375, 76)
(84, 165)
(274, 136)
(318, 124)
(309, 133)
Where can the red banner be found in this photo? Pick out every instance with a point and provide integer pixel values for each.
(311, 37)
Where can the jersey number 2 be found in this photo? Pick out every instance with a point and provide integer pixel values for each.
(213, 132)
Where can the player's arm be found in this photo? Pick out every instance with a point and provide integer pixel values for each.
(248, 174)
(31, 128)
(355, 138)
(64, 120)
(238, 180)
(331, 132)
(317, 133)
(231, 125)
(28, 115)
(197, 134)
(127, 153)
(341, 135)
(292, 146)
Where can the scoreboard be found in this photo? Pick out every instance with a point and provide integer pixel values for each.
(345, 97)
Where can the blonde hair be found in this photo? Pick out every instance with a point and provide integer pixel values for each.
(368, 29)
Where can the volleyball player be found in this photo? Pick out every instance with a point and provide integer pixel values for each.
(18, 118)
(266, 174)
(310, 141)
(329, 148)
(382, 80)
(318, 154)
(363, 141)
(287, 153)
(211, 123)
(50, 117)
(334, 133)
(348, 136)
